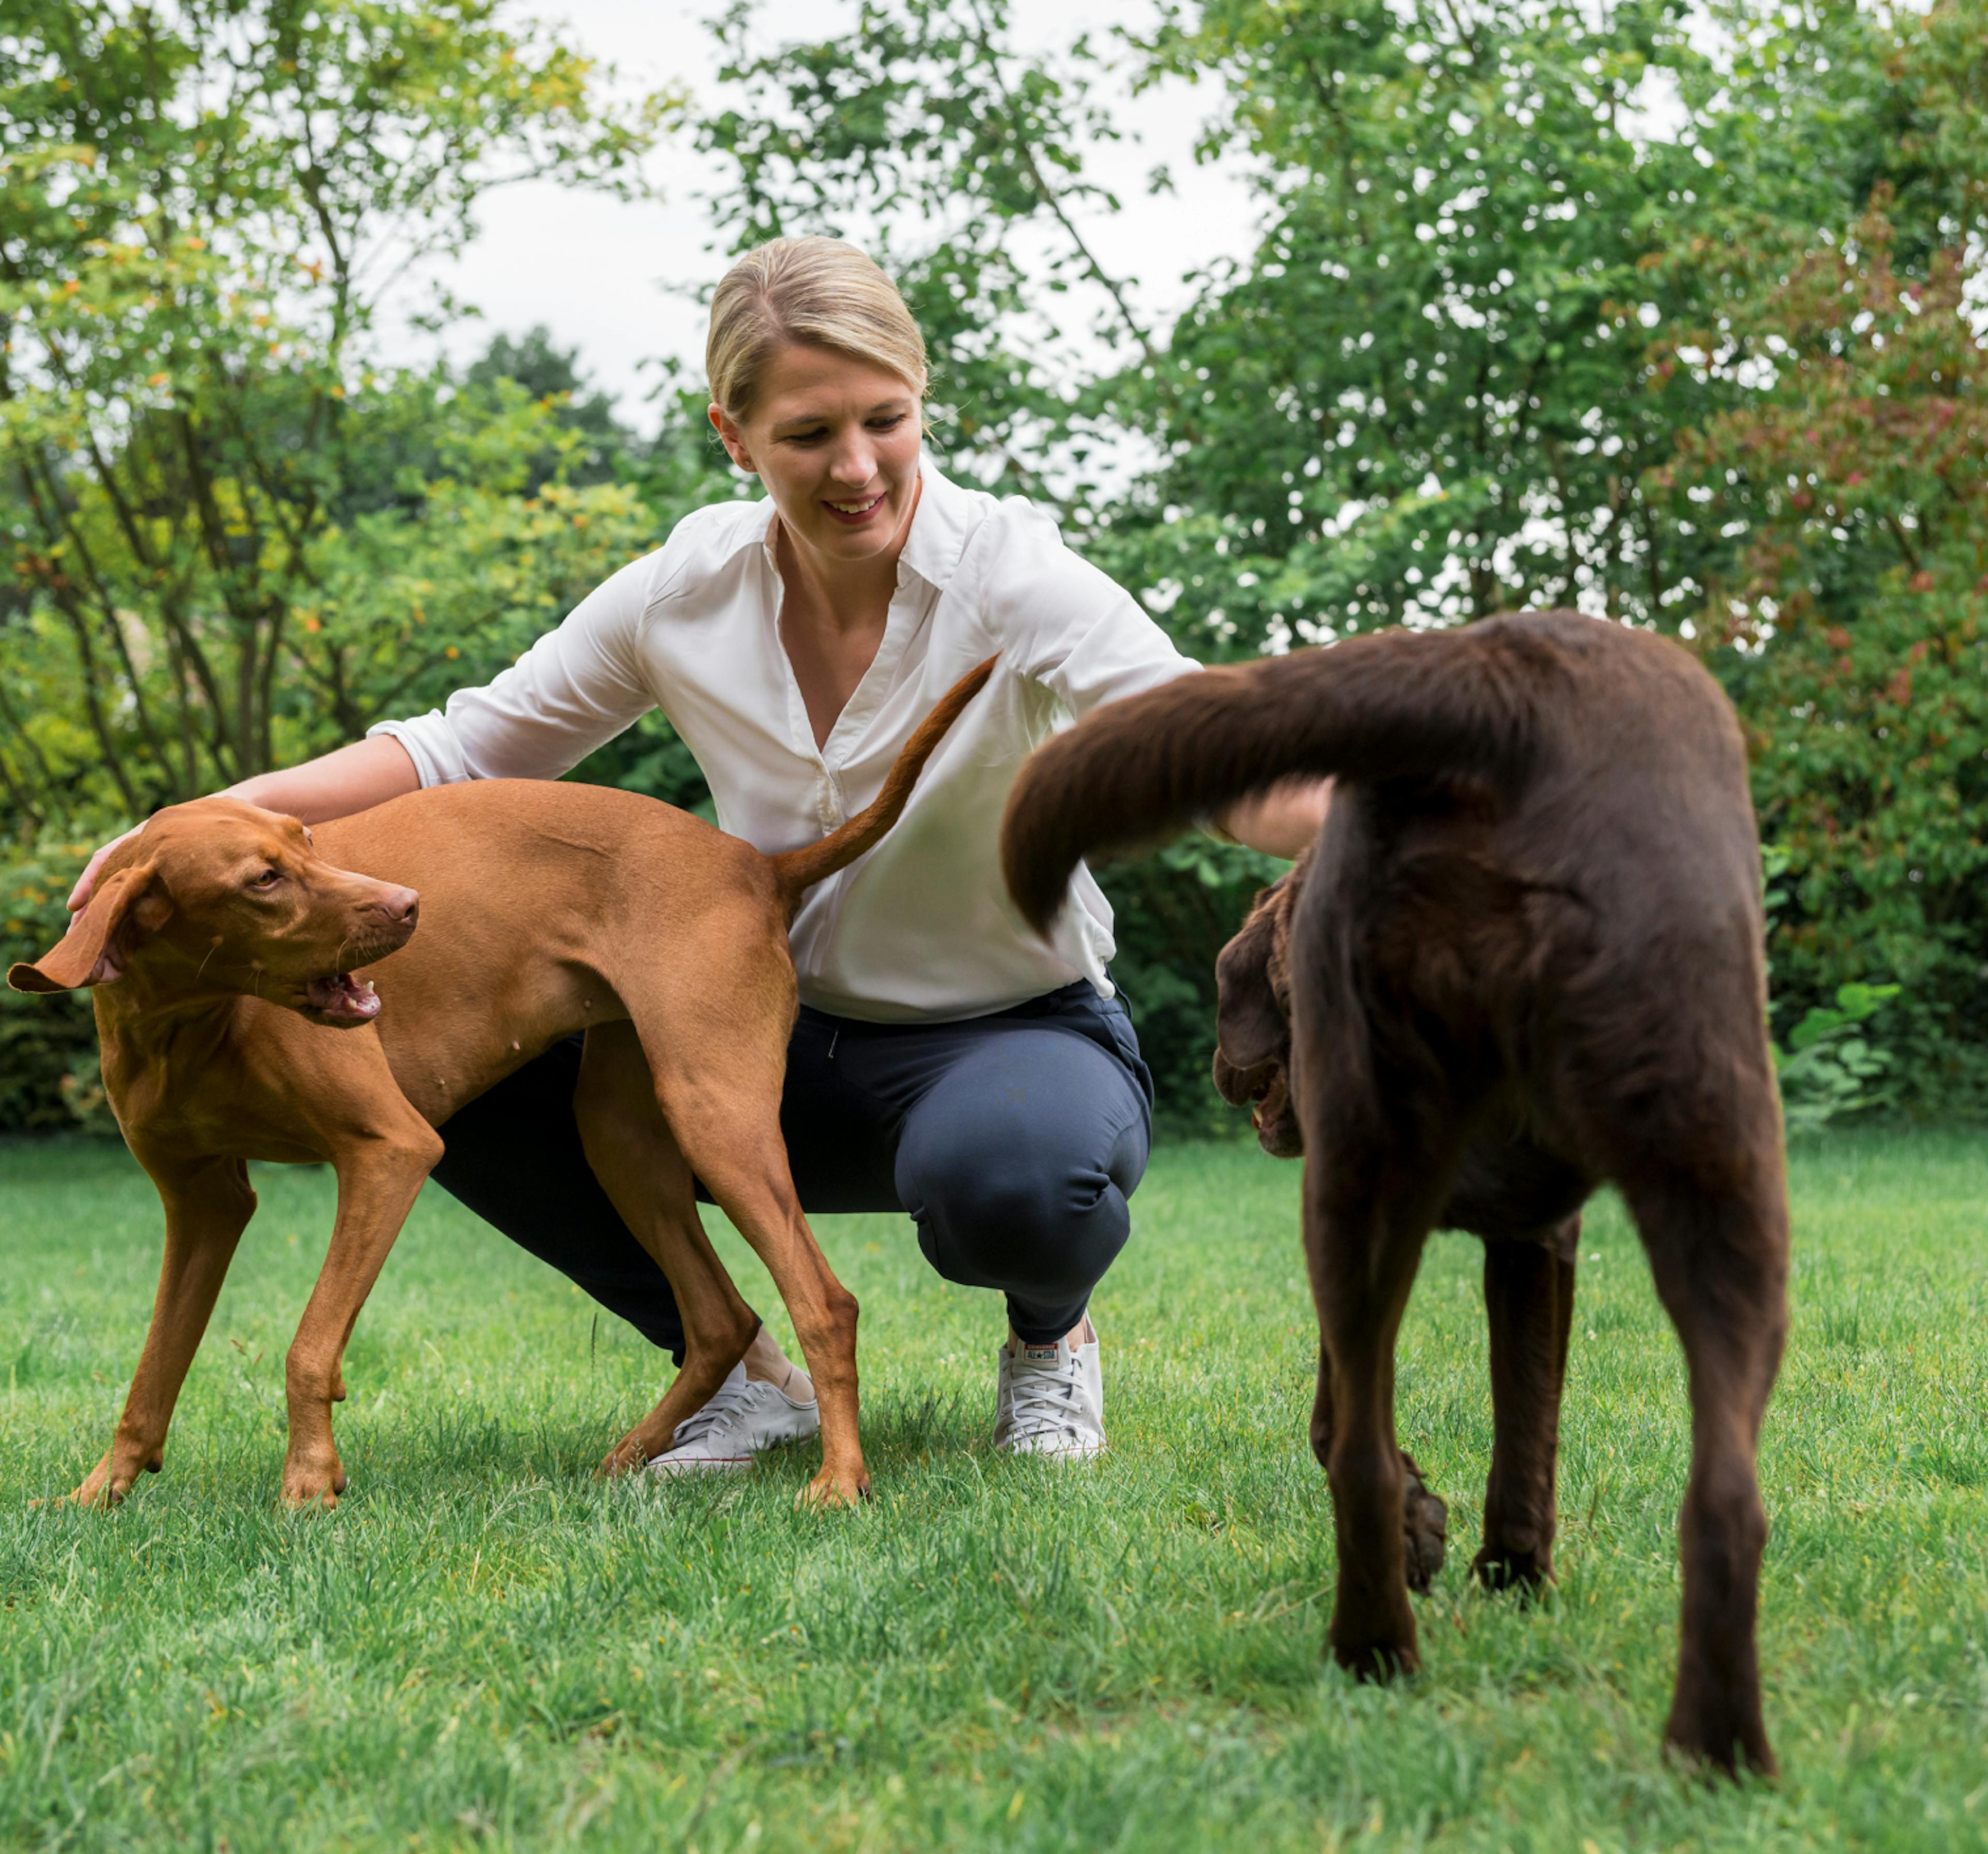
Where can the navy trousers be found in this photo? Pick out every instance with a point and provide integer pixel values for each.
(1011, 1141)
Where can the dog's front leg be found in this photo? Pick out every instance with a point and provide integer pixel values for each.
(1529, 1298)
(379, 1177)
(207, 1206)
(1424, 1514)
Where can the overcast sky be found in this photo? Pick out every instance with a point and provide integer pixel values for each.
(598, 272)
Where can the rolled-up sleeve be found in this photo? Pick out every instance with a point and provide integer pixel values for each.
(1074, 629)
(573, 691)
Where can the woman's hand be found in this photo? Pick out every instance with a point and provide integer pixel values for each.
(334, 784)
(86, 883)
(1282, 821)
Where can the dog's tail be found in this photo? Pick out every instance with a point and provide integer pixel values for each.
(1398, 703)
(798, 871)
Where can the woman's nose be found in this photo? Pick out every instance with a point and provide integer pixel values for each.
(854, 463)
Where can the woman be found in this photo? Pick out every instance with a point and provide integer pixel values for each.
(946, 1061)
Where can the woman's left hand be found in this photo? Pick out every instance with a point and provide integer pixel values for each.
(1282, 821)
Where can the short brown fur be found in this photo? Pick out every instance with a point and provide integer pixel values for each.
(1523, 958)
(545, 908)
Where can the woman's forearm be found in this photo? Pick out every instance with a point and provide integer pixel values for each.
(1282, 821)
(356, 778)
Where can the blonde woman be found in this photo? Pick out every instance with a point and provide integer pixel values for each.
(947, 1063)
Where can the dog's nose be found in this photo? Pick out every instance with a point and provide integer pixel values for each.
(400, 906)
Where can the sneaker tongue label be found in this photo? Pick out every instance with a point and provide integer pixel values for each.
(1040, 1354)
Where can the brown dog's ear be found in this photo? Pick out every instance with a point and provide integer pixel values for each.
(1250, 1029)
(93, 950)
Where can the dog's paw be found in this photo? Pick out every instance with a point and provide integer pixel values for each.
(106, 1485)
(1526, 1570)
(1424, 1528)
(310, 1483)
(827, 1490)
(633, 1450)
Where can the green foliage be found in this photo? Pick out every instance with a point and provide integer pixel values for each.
(48, 1073)
(488, 1647)
(198, 207)
(1848, 628)
(1549, 306)
(1829, 1067)
(921, 131)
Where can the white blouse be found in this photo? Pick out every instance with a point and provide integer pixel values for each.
(921, 928)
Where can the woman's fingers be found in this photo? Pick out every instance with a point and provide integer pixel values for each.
(86, 883)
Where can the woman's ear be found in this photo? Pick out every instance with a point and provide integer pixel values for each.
(94, 951)
(730, 437)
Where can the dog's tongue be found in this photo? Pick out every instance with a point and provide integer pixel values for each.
(341, 995)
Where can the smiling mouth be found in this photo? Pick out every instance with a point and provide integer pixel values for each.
(854, 511)
(339, 998)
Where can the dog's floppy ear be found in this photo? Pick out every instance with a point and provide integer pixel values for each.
(92, 951)
(1250, 1029)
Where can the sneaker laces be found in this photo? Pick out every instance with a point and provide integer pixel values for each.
(729, 1399)
(1039, 1396)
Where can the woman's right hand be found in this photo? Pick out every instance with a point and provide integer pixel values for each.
(334, 784)
(86, 883)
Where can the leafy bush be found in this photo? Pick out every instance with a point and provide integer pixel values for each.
(1828, 1068)
(48, 1075)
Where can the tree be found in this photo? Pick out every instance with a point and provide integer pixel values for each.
(201, 207)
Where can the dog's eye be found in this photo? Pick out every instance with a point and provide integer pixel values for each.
(268, 879)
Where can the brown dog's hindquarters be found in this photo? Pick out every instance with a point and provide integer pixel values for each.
(1523, 958)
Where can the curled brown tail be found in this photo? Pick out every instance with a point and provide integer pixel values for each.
(798, 871)
(1398, 703)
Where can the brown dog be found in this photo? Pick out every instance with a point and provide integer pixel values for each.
(238, 947)
(1523, 958)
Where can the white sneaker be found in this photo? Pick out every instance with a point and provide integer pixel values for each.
(744, 1416)
(1049, 1399)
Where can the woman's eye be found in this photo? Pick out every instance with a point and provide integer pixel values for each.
(888, 424)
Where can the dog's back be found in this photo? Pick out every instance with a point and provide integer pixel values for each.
(1542, 822)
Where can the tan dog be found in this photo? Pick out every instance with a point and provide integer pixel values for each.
(237, 946)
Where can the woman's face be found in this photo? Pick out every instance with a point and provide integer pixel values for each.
(836, 442)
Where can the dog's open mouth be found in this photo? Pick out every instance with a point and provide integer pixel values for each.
(339, 998)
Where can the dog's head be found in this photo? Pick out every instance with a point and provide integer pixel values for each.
(1252, 1026)
(218, 895)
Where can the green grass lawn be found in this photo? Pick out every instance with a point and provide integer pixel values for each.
(486, 1646)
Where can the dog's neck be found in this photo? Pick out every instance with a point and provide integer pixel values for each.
(161, 985)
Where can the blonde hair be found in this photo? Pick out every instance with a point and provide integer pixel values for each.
(821, 292)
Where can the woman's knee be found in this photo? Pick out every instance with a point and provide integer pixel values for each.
(1012, 1219)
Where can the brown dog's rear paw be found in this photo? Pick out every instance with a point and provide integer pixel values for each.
(1524, 1569)
(1378, 1660)
(1716, 1742)
(1424, 1528)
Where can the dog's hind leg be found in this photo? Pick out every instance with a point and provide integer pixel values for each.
(639, 1165)
(1366, 1219)
(716, 1037)
(1528, 1298)
(1718, 1250)
(207, 1206)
